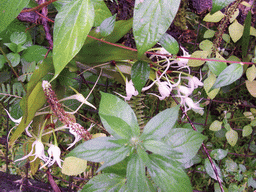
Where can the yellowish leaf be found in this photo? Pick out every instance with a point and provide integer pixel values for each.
(236, 31)
(251, 73)
(74, 166)
(197, 54)
(232, 137)
(215, 126)
(251, 87)
(216, 17)
(208, 83)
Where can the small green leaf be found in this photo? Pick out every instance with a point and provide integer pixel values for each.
(140, 73)
(197, 54)
(219, 4)
(247, 130)
(229, 75)
(208, 83)
(34, 53)
(2, 61)
(206, 45)
(169, 44)
(168, 174)
(232, 137)
(216, 67)
(209, 33)
(210, 171)
(72, 25)
(161, 124)
(251, 73)
(12, 46)
(14, 58)
(18, 38)
(101, 12)
(9, 11)
(151, 20)
(215, 17)
(186, 142)
(107, 26)
(231, 166)
(216, 125)
(136, 176)
(219, 154)
(236, 31)
(105, 182)
(253, 123)
(73, 166)
(113, 106)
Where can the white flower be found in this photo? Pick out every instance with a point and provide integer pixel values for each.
(130, 90)
(186, 91)
(39, 152)
(189, 104)
(181, 62)
(77, 138)
(194, 82)
(54, 156)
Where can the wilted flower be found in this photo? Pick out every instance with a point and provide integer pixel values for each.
(189, 104)
(130, 90)
(54, 156)
(39, 152)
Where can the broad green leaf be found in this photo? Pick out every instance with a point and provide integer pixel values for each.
(105, 182)
(101, 12)
(2, 61)
(135, 174)
(216, 125)
(229, 75)
(14, 58)
(232, 137)
(34, 53)
(113, 106)
(73, 166)
(18, 38)
(107, 26)
(116, 126)
(12, 46)
(246, 33)
(209, 33)
(251, 87)
(161, 124)
(210, 170)
(216, 67)
(236, 31)
(151, 20)
(197, 54)
(169, 44)
(72, 25)
(219, 4)
(251, 73)
(187, 142)
(168, 174)
(139, 74)
(101, 149)
(208, 83)
(219, 154)
(247, 130)
(215, 17)
(119, 168)
(9, 11)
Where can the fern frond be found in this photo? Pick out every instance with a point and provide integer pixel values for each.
(6, 93)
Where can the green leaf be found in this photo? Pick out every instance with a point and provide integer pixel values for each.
(186, 142)
(161, 124)
(136, 176)
(151, 20)
(247, 130)
(116, 126)
(209, 33)
(219, 154)
(168, 174)
(169, 44)
(113, 106)
(208, 83)
(210, 171)
(236, 31)
(251, 73)
(34, 53)
(219, 4)
(229, 75)
(101, 12)
(197, 54)
(215, 17)
(206, 45)
(105, 182)
(140, 73)
(215, 126)
(72, 25)
(216, 67)
(246, 33)
(18, 38)
(107, 26)
(101, 149)
(159, 147)
(2, 61)
(14, 58)
(9, 11)
(73, 166)
(232, 137)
